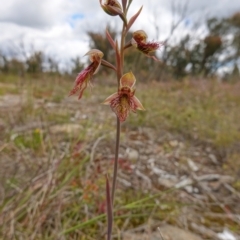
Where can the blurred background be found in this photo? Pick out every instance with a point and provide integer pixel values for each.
(201, 37)
(179, 161)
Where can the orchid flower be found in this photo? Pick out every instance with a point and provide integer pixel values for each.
(84, 77)
(139, 41)
(124, 101)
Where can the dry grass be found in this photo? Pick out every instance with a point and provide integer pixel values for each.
(53, 153)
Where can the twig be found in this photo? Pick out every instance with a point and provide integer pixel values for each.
(160, 233)
(93, 154)
(94, 148)
(204, 231)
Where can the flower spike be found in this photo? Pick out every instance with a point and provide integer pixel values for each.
(84, 77)
(124, 100)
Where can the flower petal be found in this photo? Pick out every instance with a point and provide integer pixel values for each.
(121, 106)
(97, 68)
(94, 54)
(148, 47)
(113, 3)
(108, 100)
(139, 41)
(124, 101)
(83, 79)
(137, 103)
(127, 80)
(140, 36)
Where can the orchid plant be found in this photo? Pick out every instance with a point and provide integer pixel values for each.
(123, 101)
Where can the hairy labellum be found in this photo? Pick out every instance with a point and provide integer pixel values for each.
(139, 41)
(124, 100)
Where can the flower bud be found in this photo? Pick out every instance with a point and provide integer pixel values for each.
(111, 7)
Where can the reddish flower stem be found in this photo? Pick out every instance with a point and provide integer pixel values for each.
(118, 127)
(118, 130)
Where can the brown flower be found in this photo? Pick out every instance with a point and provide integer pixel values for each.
(139, 41)
(124, 100)
(84, 77)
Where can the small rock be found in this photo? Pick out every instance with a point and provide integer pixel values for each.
(174, 233)
(189, 189)
(185, 182)
(158, 171)
(166, 232)
(79, 115)
(151, 163)
(132, 154)
(192, 165)
(51, 105)
(173, 143)
(213, 158)
(66, 128)
(215, 185)
(196, 154)
(196, 190)
(226, 235)
(9, 101)
(208, 149)
(166, 183)
(181, 145)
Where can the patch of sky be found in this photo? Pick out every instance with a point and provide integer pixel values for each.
(187, 22)
(74, 18)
